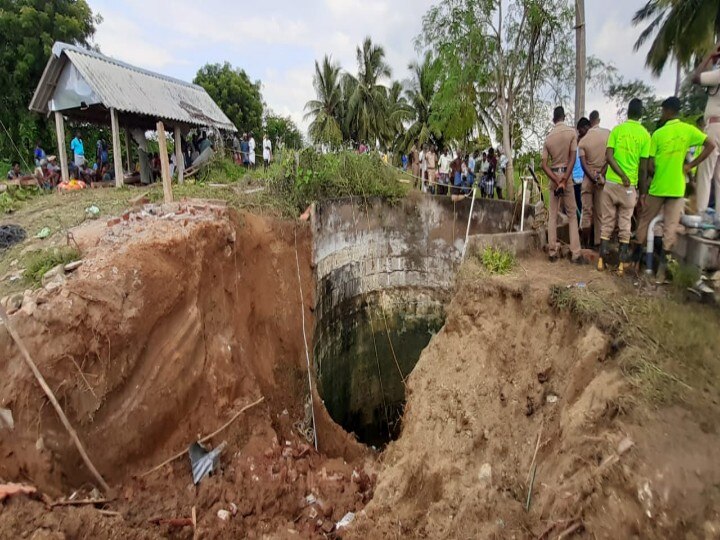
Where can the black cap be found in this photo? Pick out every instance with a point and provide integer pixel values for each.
(672, 104)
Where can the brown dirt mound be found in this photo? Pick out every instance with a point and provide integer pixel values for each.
(174, 322)
(506, 372)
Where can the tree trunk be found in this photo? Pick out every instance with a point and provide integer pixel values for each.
(580, 60)
(506, 111)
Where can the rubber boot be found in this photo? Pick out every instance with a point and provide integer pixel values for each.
(625, 258)
(604, 250)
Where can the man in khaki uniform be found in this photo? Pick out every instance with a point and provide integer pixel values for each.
(594, 163)
(558, 157)
(709, 171)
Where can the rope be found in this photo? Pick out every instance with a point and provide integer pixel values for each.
(15, 147)
(307, 351)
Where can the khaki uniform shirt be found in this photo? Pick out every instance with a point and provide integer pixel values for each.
(593, 146)
(711, 79)
(559, 143)
(430, 157)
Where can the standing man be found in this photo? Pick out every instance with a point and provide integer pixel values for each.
(78, 149)
(709, 172)
(558, 157)
(244, 150)
(39, 154)
(267, 151)
(668, 147)
(592, 158)
(251, 150)
(431, 161)
(628, 150)
(501, 176)
(578, 175)
(415, 164)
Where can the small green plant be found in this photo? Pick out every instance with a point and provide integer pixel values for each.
(497, 261)
(40, 262)
(12, 199)
(683, 275)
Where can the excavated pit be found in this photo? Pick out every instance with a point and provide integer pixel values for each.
(384, 274)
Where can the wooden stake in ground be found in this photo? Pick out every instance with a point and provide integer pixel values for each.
(41, 380)
(164, 163)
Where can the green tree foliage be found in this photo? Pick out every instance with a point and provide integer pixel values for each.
(494, 59)
(366, 115)
(282, 131)
(420, 95)
(683, 29)
(234, 92)
(28, 29)
(326, 112)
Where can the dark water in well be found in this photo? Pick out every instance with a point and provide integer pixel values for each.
(359, 379)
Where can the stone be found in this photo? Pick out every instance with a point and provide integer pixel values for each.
(112, 222)
(69, 267)
(12, 303)
(139, 200)
(485, 474)
(625, 445)
(54, 272)
(54, 284)
(223, 515)
(6, 419)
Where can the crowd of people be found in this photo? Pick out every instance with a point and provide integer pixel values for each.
(456, 172)
(623, 179)
(244, 150)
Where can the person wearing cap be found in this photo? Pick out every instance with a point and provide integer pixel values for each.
(628, 150)
(591, 150)
(668, 148)
(558, 157)
(708, 173)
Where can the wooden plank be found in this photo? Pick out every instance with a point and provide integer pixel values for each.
(117, 151)
(60, 132)
(164, 163)
(179, 159)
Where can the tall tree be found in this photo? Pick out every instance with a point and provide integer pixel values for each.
(326, 110)
(420, 95)
(29, 28)
(398, 111)
(683, 30)
(367, 102)
(502, 56)
(282, 131)
(234, 92)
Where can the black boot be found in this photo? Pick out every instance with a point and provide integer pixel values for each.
(604, 250)
(661, 275)
(625, 258)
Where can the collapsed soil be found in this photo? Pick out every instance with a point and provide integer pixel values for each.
(177, 318)
(521, 424)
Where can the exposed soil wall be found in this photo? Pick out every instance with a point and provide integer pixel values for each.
(506, 375)
(174, 322)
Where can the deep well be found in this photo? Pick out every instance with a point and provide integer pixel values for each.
(384, 273)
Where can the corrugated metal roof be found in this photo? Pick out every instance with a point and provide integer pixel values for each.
(133, 90)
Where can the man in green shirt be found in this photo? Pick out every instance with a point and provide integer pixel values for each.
(669, 146)
(627, 153)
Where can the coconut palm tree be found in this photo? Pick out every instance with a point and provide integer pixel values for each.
(326, 111)
(398, 111)
(680, 29)
(419, 96)
(367, 103)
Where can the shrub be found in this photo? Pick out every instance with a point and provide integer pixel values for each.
(40, 262)
(497, 261)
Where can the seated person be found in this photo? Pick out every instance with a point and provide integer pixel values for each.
(14, 173)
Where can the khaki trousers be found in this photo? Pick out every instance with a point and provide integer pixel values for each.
(568, 201)
(672, 208)
(709, 172)
(591, 196)
(618, 205)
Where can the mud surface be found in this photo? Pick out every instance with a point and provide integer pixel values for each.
(178, 317)
(513, 397)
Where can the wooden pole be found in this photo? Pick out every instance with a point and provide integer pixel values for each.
(580, 60)
(117, 151)
(41, 380)
(128, 156)
(164, 163)
(179, 159)
(62, 151)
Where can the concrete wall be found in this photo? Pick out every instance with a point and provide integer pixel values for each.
(402, 257)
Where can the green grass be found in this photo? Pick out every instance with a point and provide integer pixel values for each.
(683, 275)
(497, 261)
(40, 262)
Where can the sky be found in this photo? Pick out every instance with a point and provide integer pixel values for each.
(278, 41)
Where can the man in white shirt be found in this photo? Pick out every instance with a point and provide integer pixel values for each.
(267, 151)
(423, 167)
(709, 170)
(251, 151)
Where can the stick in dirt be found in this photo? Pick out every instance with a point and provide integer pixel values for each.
(48, 392)
(204, 439)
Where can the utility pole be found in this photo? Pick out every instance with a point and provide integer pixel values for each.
(580, 59)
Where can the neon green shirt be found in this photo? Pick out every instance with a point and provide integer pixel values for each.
(669, 146)
(630, 142)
